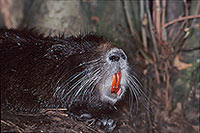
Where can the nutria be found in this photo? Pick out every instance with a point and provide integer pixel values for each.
(86, 74)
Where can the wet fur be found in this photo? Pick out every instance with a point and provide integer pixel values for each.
(40, 72)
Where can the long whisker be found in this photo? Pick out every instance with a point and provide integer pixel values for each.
(66, 83)
(86, 83)
(101, 75)
(138, 83)
(83, 81)
(137, 87)
(94, 62)
(93, 81)
(133, 92)
(89, 88)
(73, 77)
(143, 96)
(134, 75)
(74, 86)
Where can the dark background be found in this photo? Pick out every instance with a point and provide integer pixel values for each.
(161, 38)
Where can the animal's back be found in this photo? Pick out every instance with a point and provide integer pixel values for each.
(31, 66)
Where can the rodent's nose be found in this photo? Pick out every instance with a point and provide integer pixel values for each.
(116, 56)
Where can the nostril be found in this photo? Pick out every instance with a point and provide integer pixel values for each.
(114, 58)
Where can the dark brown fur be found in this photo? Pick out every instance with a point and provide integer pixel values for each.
(40, 72)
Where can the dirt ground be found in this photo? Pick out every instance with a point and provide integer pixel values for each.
(158, 120)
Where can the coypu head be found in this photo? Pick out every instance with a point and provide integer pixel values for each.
(101, 74)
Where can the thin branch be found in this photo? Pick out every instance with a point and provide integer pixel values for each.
(196, 12)
(179, 36)
(143, 18)
(156, 70)
(11, 124)
(191, 49)
(163, 30)
(156, 17)
(186, 8)
(167, 99)
(151, 30)
(180, 19)
(134, 34)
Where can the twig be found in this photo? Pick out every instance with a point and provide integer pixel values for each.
(167, 100)
(156, 17)
(191, 49)
(134, 34)
(163, 30)
(143, 18)
(186, 12)
(186, 8)
(10, 124)
(182, 44)
(196, 12)
(129, 20)
(156, 70)
(151, 30)
(180, 19)
(179, 34)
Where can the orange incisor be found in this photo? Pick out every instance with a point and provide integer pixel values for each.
(116, 82)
